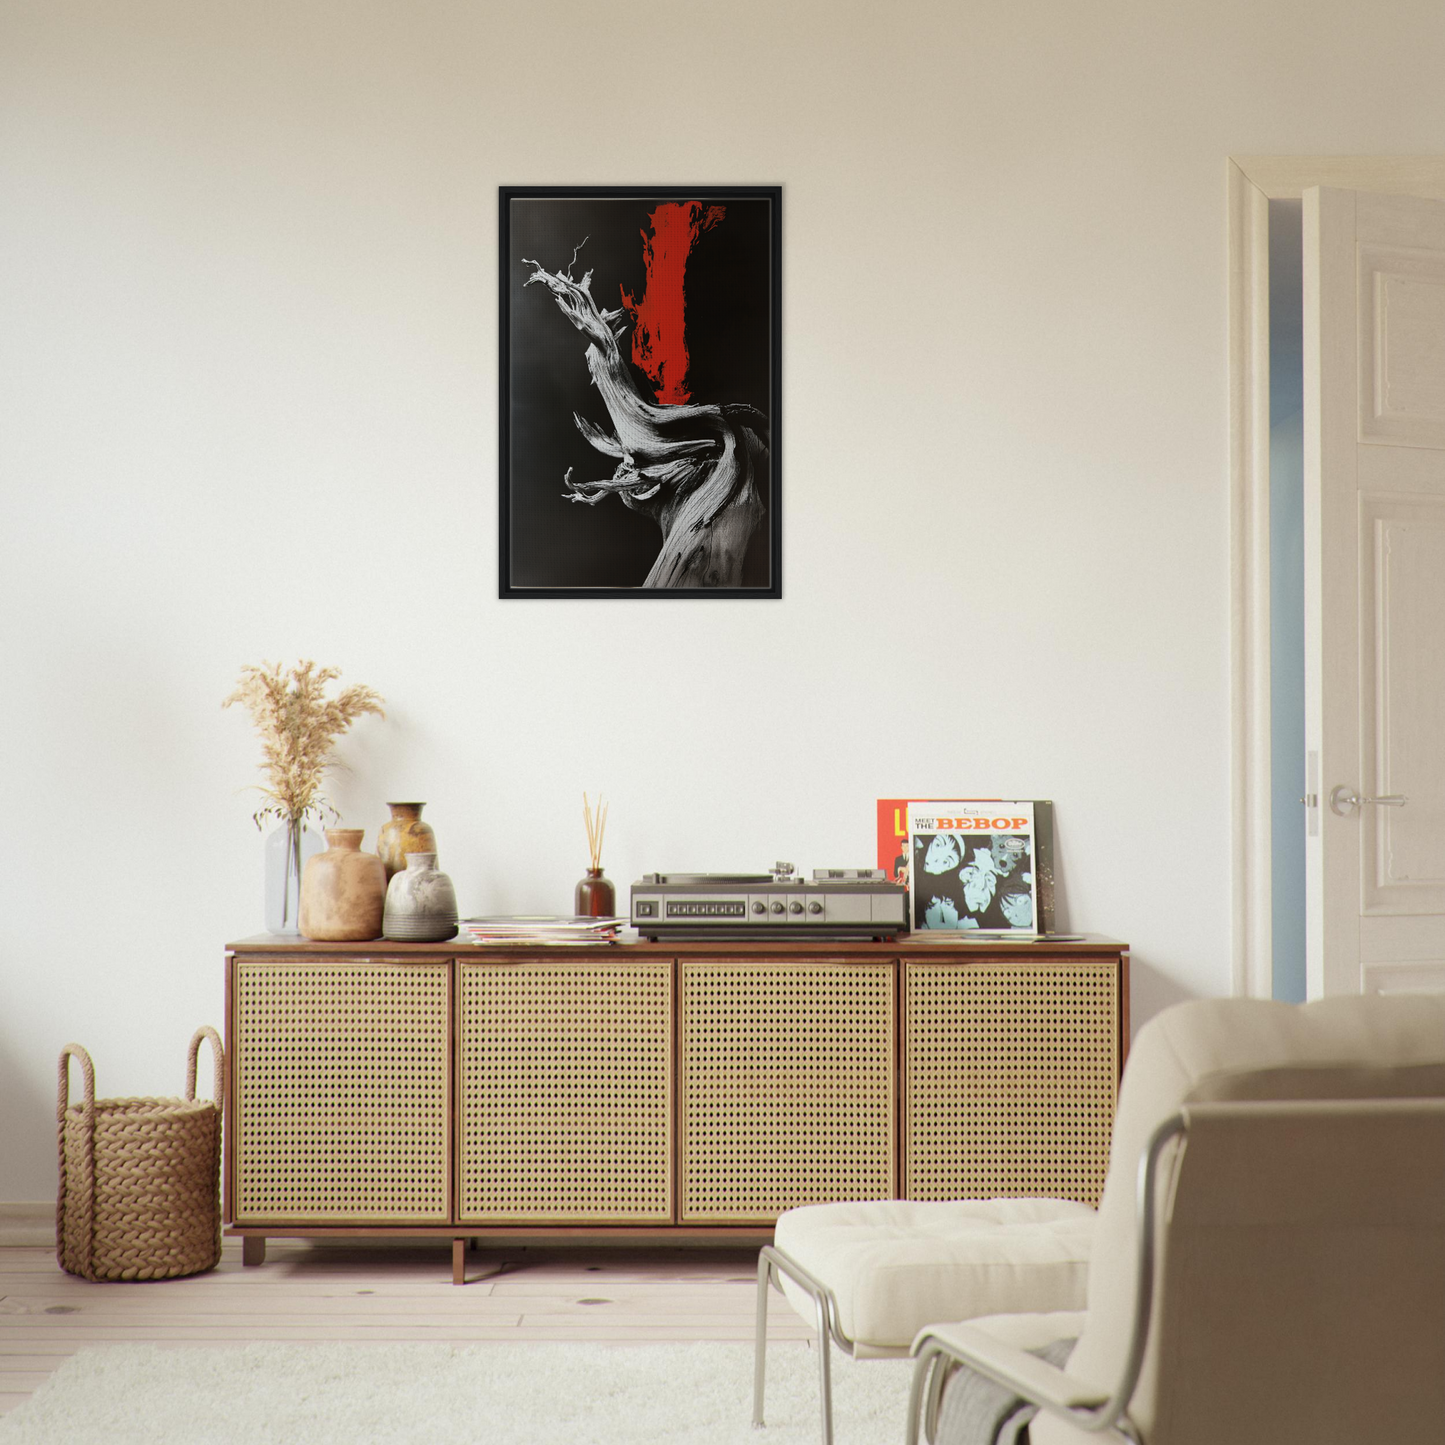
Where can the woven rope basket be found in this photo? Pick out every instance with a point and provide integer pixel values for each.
(139, 1178)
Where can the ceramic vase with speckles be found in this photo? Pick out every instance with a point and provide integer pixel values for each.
(403, 833)
(343, 890)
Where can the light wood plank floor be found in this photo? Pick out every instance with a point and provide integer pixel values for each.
(381, 1292)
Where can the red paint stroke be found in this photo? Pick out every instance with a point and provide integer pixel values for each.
(659, 345)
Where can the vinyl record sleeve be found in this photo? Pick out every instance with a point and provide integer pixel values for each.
(894, 857)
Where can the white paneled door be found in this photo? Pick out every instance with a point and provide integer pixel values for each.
(1374, 281)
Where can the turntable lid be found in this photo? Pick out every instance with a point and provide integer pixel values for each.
(703, 879)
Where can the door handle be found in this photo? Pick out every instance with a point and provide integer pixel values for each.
(1344, 800)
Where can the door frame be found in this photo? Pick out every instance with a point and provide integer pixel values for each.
(1254, 181)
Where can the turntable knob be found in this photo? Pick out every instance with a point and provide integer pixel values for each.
(759, 906)
(777, 908)
(815, 907)
(795, 907)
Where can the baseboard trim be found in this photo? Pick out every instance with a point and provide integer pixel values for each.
(28, 1223)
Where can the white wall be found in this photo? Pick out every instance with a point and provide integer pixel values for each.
(248, 290)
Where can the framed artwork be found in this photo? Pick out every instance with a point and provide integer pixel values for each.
(640, 391)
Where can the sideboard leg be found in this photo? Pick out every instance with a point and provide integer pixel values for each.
(459, 1261)
(253, 1249)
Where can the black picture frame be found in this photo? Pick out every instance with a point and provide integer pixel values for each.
(683, 409)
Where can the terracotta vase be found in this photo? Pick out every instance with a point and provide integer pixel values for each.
(421, 904)
(343, 890)
(595, 897)
(403, 833)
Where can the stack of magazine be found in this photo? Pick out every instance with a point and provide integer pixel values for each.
(544, 928)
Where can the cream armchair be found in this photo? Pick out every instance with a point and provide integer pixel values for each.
(1269, 1258)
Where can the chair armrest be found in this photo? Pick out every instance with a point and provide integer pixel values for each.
(1028, 1332)
(1035, 1379)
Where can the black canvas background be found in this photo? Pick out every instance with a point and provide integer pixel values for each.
(558, 543)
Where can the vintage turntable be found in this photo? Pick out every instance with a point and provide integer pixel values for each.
(834, 903)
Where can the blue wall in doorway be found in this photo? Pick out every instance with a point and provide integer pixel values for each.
(1286, 597)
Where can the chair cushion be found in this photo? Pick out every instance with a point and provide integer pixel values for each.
(896, 1265)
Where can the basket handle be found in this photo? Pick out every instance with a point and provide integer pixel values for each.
(218, 1055)
(84, 1186)
(87, 1070)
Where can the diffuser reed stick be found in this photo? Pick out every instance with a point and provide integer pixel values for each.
(596, 826)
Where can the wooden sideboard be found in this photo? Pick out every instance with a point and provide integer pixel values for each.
(657, 1091)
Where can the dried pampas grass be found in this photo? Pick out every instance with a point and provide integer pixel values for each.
(298, 724)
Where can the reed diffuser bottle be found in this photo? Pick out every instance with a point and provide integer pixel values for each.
(595, 896)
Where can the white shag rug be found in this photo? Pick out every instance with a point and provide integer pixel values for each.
(476, 1394)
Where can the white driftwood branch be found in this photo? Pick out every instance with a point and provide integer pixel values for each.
(692, 468)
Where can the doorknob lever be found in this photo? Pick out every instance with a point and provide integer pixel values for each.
(1344, 800)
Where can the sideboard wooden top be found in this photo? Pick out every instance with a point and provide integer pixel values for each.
(915, 945)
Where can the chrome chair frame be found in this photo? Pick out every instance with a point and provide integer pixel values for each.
(771, 1264)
